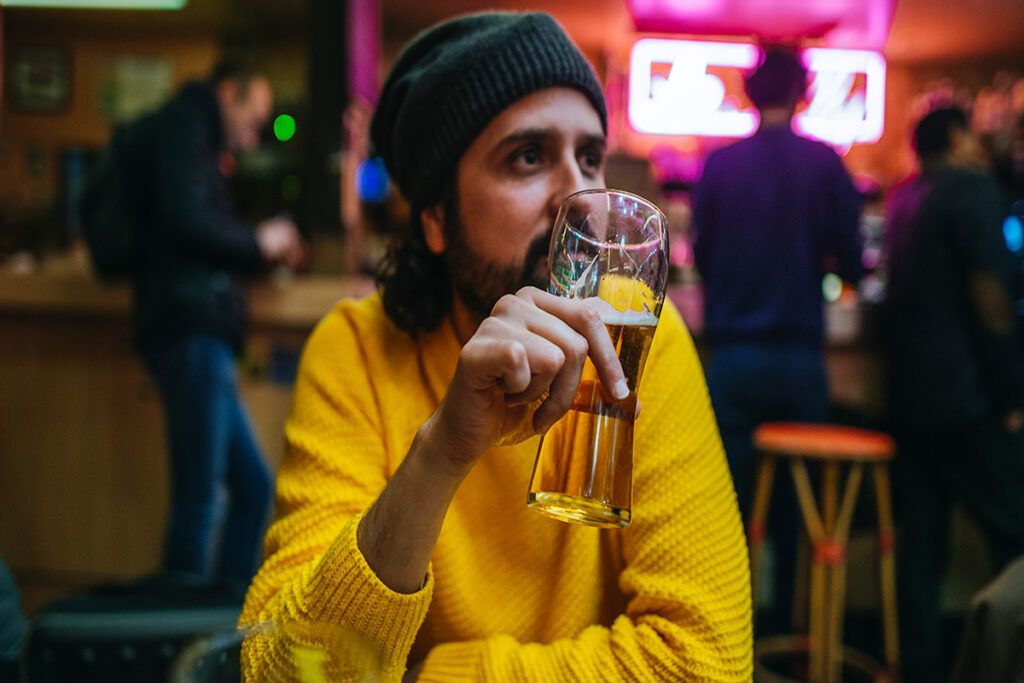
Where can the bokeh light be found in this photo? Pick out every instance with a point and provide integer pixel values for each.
(372, 181)
(831, 287)
(284, 127)
(1013, 232)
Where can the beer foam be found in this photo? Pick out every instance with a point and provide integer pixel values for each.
(612, 316)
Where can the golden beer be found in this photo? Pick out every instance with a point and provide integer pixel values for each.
(584, 467)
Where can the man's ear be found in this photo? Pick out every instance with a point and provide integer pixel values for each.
(432, 220)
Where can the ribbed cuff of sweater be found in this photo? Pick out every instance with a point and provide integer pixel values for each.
(343, 589)
(454, 662)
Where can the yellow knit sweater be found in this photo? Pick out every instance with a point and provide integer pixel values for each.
(511, 595)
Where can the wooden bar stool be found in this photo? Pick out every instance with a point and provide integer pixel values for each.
(828, 527)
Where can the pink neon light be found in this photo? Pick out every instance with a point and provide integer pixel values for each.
(842, 23)
(690, 101)
(834, 114)
(672, 92)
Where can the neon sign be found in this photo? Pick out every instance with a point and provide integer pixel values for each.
(682, 87)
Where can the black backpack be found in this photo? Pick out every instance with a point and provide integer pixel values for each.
(112, 203)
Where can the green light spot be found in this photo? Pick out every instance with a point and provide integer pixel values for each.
(831, 287)
(284, 127)
(291, 188)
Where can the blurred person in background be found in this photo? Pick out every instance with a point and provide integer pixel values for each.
(13, 626)
(772, 214)
(190, 318)
(401, 502)
(955, 372)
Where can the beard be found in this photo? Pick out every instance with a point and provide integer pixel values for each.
(480, 282)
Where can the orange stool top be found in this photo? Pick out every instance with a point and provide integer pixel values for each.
(828, 442)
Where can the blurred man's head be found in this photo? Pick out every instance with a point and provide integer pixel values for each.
(944, 136)
(486, 123)
(779, 82)
(246, 103)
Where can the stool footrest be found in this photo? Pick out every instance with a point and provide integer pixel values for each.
(799, 644)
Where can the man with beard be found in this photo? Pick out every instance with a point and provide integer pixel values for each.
(403, 545)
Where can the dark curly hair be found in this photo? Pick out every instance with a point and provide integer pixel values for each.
(413, 282)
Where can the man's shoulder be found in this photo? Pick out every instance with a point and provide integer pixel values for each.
(357, 336)
(721, 154)
(964, 188)
(361, 320)
(672, 339)
(817, 152)
(969, 179)
(192, 107)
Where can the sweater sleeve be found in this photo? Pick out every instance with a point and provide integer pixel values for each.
(315, 600)
(686, 573)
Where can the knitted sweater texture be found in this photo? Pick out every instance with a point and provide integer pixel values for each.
(510, 595)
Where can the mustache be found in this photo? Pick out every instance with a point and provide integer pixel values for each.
(537, 251)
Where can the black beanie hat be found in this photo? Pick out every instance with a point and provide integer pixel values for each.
(455, 78)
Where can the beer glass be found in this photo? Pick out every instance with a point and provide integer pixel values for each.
(609, 248)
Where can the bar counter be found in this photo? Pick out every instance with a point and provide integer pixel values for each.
(83, 470)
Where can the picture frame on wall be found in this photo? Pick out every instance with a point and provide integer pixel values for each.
(39, 79)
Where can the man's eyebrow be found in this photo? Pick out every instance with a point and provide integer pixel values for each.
(525, 134)
(528, 134)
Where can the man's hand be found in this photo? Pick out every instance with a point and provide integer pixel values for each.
(279, 240)
(532, 343)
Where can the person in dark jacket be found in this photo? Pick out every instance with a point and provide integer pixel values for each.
(190, 320)
(955, 372)
(771, 212)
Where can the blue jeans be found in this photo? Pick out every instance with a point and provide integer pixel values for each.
(751, 384)
(211, 444)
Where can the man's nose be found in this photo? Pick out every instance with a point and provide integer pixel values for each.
(569, 180)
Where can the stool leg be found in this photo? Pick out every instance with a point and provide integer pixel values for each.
(803, 580)
(829, 505)
(837, 560)
(758, 515)
(887, 565)
(818, 592)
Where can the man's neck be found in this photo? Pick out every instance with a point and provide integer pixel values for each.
(776, 118)
(463, 320)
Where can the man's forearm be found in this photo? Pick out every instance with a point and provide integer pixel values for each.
(398, 534)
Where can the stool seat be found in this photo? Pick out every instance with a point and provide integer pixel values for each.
(824, 441)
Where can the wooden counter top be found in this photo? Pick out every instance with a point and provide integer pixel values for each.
(296, 304)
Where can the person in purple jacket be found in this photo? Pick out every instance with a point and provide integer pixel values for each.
(773, 214)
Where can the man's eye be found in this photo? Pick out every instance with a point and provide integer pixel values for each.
(530, 156)
(592, 159)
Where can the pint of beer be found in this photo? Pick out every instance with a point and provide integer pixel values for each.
(611, 249)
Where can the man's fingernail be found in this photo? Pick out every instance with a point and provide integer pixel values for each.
(621, 390)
